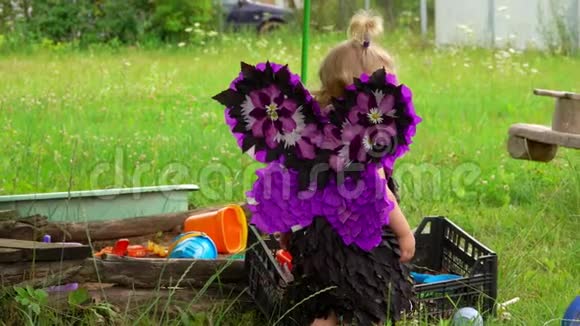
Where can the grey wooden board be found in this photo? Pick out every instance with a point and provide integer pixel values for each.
(20, 250)
(557, 94)
(544, 134)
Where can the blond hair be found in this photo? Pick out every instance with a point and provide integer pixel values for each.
(351, 58)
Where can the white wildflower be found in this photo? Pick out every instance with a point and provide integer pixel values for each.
(375, 116)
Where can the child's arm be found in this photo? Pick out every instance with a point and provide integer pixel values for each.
(400, 226)
(283, 239)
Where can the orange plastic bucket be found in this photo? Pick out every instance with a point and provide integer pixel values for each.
(227, 228)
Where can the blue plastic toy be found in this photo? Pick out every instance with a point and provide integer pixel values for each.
(195, 247)
(467, 317)
(428, 278)
(572, 315)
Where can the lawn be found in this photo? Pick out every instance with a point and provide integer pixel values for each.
(130, 117)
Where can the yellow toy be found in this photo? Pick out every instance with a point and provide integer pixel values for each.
(159, 250)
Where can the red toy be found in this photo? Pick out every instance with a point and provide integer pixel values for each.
(120, 248)
(136, 251)
(284, 258)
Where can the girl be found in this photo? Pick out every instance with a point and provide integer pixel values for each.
(359, 294)
(321, 191)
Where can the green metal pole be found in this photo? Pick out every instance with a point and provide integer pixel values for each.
(305, 40)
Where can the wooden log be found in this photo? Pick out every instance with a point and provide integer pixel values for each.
(115, 229)
(566, 116)
(545, 135)
(155, 272)
(192, 300)
(10, 255)
(27, 228)
(526, 149)
(38, 273)
(34, 227)
(123, 228)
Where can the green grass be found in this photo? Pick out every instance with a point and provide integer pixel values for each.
(130, 117)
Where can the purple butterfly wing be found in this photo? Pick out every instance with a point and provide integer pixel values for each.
(271, 114)
(377, 121)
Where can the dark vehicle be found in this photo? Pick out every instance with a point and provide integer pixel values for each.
(246, 13)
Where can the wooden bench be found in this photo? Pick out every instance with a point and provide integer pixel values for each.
(540, 143)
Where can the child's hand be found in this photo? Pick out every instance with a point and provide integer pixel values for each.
(283, 239)
(407, 246)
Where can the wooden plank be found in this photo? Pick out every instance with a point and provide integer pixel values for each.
(24, 244)
(557, 94)
(154, 272)
(39, 251)
(544, 134)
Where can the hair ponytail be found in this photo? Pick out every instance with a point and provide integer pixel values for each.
(364, 27)
(358, 55)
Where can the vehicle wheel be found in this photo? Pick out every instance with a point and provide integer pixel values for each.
(269, 26)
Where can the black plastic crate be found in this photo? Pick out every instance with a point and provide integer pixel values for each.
(441, 247)
(266, 280)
